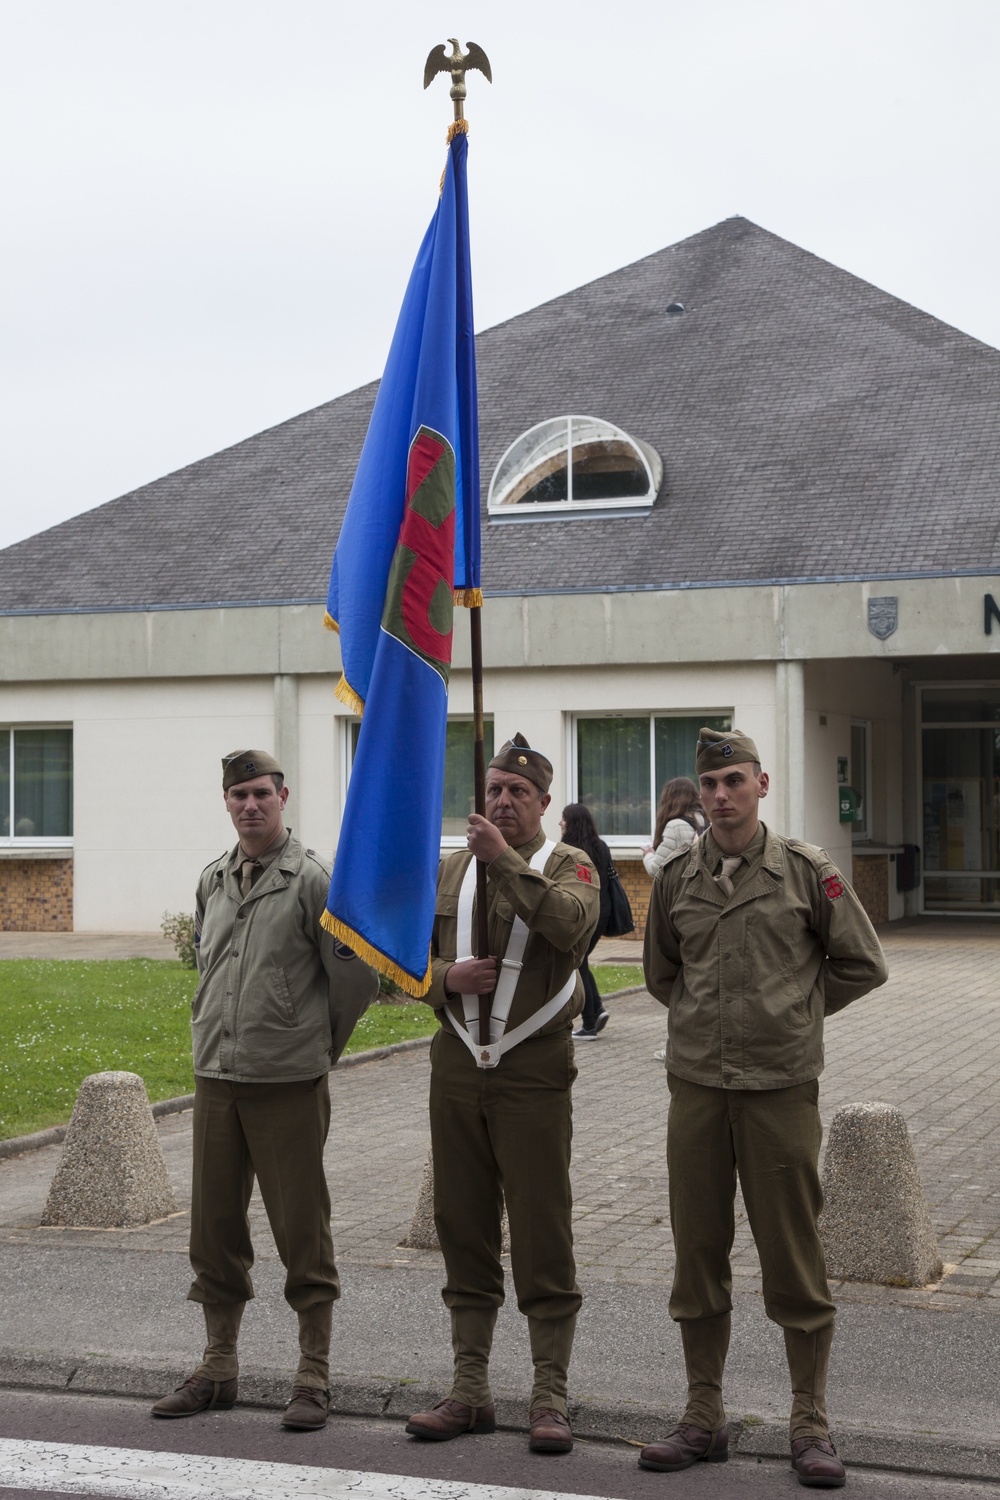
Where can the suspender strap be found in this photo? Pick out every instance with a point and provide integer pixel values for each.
(501, 1040)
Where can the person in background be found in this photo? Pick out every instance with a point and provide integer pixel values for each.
(680, 818)
(580, 830)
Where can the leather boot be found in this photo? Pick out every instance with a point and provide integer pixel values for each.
(706, 1344)
(222, 1325)
(315, 1326)
(808, 1362)
(551, 1346)
(472, 1341)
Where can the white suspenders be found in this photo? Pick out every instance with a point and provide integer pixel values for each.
(501, 1040)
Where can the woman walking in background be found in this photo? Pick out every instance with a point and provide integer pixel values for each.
(680, 818)
(580, 830)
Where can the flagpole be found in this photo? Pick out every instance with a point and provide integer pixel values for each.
(457, 64)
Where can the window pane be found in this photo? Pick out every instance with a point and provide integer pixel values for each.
(43, 783)
(459, 773)
(859, 775)
(961, 704)
(613, 773)
(676, 743)
(960, 893)
(606, 469)
(961, 799)
(4, 783)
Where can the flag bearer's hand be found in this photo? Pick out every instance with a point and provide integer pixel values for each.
(473, 976)
(485, 841)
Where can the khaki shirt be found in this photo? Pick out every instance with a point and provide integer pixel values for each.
(748, 978)
(277, 997)
(560, 907)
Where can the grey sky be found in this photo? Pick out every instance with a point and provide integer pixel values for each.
(211, 208)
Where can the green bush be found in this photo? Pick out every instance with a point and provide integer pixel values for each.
(178, 926)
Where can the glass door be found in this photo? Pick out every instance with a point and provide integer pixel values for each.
(960, 746)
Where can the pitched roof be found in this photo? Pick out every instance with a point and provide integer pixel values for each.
(810, 425)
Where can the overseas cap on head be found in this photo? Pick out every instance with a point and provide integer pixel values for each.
(518, 757)
(717, 750)
(246, 765)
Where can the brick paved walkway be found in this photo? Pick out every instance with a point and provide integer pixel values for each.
(928, 1042)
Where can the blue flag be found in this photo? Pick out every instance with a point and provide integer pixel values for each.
(408, 551)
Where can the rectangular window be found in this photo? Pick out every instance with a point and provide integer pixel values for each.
(861, 776)
(459, 772)
(36, 785)
(960, 753)
(622, 762)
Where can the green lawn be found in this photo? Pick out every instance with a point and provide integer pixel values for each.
(63, 1019)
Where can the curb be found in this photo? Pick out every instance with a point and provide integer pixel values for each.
(943, 1455)
(18, 1145)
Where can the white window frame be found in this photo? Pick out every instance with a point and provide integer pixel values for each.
(545, 510)
(27, 843)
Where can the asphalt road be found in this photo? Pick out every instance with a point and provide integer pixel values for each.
(256, 1457)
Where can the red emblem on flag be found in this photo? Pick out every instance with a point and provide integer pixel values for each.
(584, 874)
(833, 887)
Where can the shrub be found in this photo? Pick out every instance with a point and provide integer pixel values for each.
(178, 926)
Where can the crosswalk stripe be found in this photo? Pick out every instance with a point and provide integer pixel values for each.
(135, 1474)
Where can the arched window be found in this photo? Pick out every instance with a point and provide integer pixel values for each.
(574, 464)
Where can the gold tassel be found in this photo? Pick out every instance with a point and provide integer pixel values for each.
(457, 127)
(410, 986)
(469, 598)
(347, 695)
(329, 623)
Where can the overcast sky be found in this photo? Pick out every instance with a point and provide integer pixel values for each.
(211, 209)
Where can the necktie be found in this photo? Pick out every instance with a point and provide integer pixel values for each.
(730, 863)
(247, 869)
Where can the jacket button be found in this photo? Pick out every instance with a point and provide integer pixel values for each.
(727, 955)
(727, 1077)
(241, 913)
(236, 953)
(225, 1033)
(729, 1000)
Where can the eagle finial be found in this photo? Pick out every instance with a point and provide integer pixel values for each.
(458, 64)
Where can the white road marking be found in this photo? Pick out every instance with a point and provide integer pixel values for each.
(135, 1474)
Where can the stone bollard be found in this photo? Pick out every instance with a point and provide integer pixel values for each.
(112, 1174)
(422, 1233)
(875, 1225)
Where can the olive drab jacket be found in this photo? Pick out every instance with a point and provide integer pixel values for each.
(747, 979)
(559, 906)
(278, 997)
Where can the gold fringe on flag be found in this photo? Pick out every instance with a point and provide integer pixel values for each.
(457, 127)
(469, 598)
(347, 695)
(406, 982)
(329, 623)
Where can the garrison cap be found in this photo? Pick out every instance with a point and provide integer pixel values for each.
(717, 750)
(246, 765)
(518, 757)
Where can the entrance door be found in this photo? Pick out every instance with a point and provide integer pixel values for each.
(960, 739)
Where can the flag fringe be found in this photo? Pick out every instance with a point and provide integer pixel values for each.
(417, 988)
(469, 598)
(329, 623)
(458, 127)
(347, 695)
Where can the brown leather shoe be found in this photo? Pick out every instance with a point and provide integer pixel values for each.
(550, 1431)
(815, 1461)
(308, 1408)
(685, 1446)
(451, 1419)
(197, 1394)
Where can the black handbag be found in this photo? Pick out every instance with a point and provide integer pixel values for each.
(621, 921)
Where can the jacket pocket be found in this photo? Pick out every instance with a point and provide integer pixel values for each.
(283, 995)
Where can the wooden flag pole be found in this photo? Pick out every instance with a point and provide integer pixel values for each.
(479, 765)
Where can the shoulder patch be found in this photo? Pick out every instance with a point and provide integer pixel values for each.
(342, 951)
(833, 886)
(584, 874)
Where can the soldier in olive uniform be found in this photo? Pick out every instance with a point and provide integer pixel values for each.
(276, 1002)
(751, 940)
(501, 1115)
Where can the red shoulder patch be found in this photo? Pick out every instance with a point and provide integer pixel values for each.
(833, 887)
(584, 874)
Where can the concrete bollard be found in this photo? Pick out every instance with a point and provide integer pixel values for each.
(875, 1225)
(422, 1233)
(112, 1174)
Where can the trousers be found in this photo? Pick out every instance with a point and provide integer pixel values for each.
(274, 1132)
(770, 1138)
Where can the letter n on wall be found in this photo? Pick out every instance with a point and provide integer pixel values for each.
(991, 612)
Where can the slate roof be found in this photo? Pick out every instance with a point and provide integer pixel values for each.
(811, 427)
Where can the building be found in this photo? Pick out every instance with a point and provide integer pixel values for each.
(730, 483)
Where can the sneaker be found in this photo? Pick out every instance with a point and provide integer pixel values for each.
(601, 1021)
(583, 1035)
(660, 1055)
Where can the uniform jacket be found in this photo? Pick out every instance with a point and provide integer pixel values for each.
(278, 997)
(559, 906)
(748, 978)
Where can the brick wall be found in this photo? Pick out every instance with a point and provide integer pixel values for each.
(632, 874)
(870, 879)
(36, 895)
